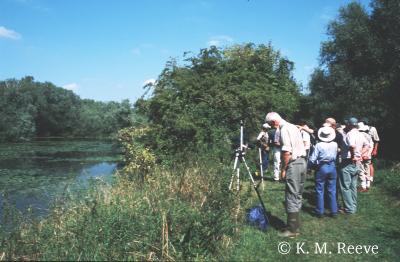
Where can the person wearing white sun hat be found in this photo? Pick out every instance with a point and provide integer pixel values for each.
(324, 159)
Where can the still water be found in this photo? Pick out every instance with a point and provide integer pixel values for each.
(33, 174)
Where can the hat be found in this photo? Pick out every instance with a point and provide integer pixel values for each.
(326, 134)
(362, 127)
(331, 121)
(352, 121)
(266, 126)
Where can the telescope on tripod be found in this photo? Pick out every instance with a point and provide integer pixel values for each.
(239, 158)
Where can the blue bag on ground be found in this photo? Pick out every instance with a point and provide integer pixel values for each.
(256, 217)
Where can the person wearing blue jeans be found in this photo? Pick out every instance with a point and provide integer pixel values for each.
(323, 159)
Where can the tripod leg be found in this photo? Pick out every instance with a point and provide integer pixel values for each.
(238, 178)
(248, 171)
(261, 167)
(233, 173)
(255, 188)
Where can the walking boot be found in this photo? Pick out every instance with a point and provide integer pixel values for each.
(292, 226)
(297, 223)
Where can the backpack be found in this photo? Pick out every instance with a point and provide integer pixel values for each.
(255, 217)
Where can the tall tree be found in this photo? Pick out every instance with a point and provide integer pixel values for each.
(359, 71)
(198, 106)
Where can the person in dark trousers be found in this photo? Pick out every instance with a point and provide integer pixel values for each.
(294, 168)
(262, 140)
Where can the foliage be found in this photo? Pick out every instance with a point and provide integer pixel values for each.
(139, 160)
(198, 106)
(359, 72)
(29, 109)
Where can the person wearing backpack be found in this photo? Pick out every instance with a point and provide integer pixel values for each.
(375, 139)
(323, 159)
(306, 134)
(365, 172)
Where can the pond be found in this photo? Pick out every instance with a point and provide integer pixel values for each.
(33, 174)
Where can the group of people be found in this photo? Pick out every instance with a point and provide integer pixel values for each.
(340, 155)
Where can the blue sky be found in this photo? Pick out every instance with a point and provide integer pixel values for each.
(107, 50)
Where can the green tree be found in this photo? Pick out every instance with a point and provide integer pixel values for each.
(198, 106)
(359, 71)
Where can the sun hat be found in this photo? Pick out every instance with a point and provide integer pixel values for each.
(326, 134)
(266, 126)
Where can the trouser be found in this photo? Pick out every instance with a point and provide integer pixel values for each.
(295, 178)
(277, 162)
(348, 185)
(365, 174)
(326, 174)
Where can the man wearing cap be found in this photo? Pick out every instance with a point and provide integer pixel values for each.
(324, 159)
(294, 168)
(262, 140)
(352, 146)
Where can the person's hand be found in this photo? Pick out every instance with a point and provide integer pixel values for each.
(283, 174)
(374, 152)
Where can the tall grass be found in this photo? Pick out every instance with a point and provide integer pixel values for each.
(173, 215)
(187, 213)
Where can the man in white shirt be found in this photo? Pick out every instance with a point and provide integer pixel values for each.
(352, 148)
(294, 168)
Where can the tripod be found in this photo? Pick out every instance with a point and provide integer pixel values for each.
(239, 158)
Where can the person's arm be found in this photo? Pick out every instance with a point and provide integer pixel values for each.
(352, 155)
(314, 156)
(375, 150)
(286, 156)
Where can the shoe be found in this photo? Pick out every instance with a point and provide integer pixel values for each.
(342, 211)
(318, 215)
(334, 215)
(288, 233)
(362, 190)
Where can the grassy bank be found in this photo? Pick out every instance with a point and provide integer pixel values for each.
(188, 214)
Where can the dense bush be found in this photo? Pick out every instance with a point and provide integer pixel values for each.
(197, 107)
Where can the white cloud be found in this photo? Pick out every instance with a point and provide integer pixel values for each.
(71, 86)
(150, 81)
(7, 33)
(220, 40)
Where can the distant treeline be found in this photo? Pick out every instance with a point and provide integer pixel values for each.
(31, 109)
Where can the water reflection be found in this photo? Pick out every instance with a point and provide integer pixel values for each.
(35, 174)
